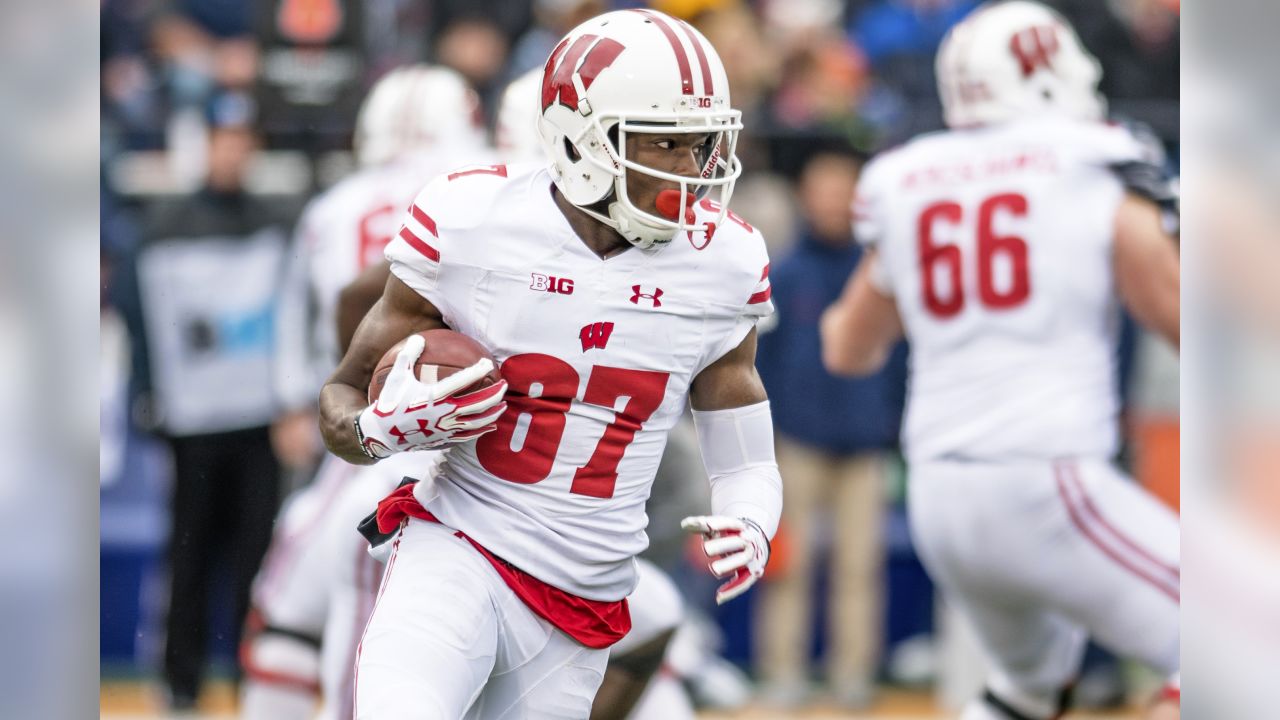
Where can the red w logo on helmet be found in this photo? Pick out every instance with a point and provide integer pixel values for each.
(557, 80)
(1034, 48)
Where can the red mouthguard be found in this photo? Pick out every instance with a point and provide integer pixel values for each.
(668, 205)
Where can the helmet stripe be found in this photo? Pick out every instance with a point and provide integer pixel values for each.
(707, 87)
(682, 57)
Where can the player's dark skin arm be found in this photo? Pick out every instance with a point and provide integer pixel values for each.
(731, 381)
(399, 313)
(356, 299)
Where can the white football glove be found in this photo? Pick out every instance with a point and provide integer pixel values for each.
(412, 415)
(738, 546)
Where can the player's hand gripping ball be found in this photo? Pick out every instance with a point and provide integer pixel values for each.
(431, 389)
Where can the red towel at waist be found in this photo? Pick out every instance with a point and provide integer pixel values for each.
(594, 623)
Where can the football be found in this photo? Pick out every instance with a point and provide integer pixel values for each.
(445, 353)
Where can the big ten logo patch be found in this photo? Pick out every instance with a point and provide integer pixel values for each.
(551, 284)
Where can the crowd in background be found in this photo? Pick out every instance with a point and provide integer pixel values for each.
(212, 117)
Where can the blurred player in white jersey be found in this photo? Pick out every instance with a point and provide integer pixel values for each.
(613, 292)
(417, 122)
(1000, 248)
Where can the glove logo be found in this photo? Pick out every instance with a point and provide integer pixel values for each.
(402, 436)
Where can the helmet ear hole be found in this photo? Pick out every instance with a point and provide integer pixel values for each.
(571, 151)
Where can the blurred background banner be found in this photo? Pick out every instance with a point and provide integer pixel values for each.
(312, 70)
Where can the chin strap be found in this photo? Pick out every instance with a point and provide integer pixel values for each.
(627, 227)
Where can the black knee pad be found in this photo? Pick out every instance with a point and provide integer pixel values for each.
(643, 661)
(1064, 704)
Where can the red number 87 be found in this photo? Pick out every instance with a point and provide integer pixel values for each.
(541, 388)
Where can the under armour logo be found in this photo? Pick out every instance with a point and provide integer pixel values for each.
(401, 436)
(595, 335)
(1034, 48)
(653, 296)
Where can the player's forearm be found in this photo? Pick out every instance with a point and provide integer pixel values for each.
(737, 450)
(848, 347)
(1147, 268)
(356, 299)
(860, 329)
(340, 405)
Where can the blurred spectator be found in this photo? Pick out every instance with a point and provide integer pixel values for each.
(791, 16)
(1137, 42)
(752, 64)
(205, 44)
(395, 33)
(477, 48)
(823, 81)
(475, 38)
(160, 56)
(899, 39)
(510, 19)
(688, 10)
(552, 20)
(131, 97)
(198, 296)
(832, 438)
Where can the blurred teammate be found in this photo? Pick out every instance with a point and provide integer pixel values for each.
(1000, 248)
(417, 122)
(612, 296)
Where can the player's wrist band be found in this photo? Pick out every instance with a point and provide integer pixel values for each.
(364, 446)
(768, 546)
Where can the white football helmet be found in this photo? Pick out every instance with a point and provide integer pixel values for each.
(1015, 59)
(635, 71)
(416, 108)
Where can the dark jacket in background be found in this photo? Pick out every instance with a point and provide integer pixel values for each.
(811, 406)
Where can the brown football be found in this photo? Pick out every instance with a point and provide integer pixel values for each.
(445, 353)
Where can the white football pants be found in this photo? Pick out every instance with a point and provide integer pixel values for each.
(448, 639)
(1040, 555)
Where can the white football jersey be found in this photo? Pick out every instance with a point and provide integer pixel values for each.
(599, 355)
(341, 232)
(996, 244)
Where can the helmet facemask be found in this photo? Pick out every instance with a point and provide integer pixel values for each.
(603, 144)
